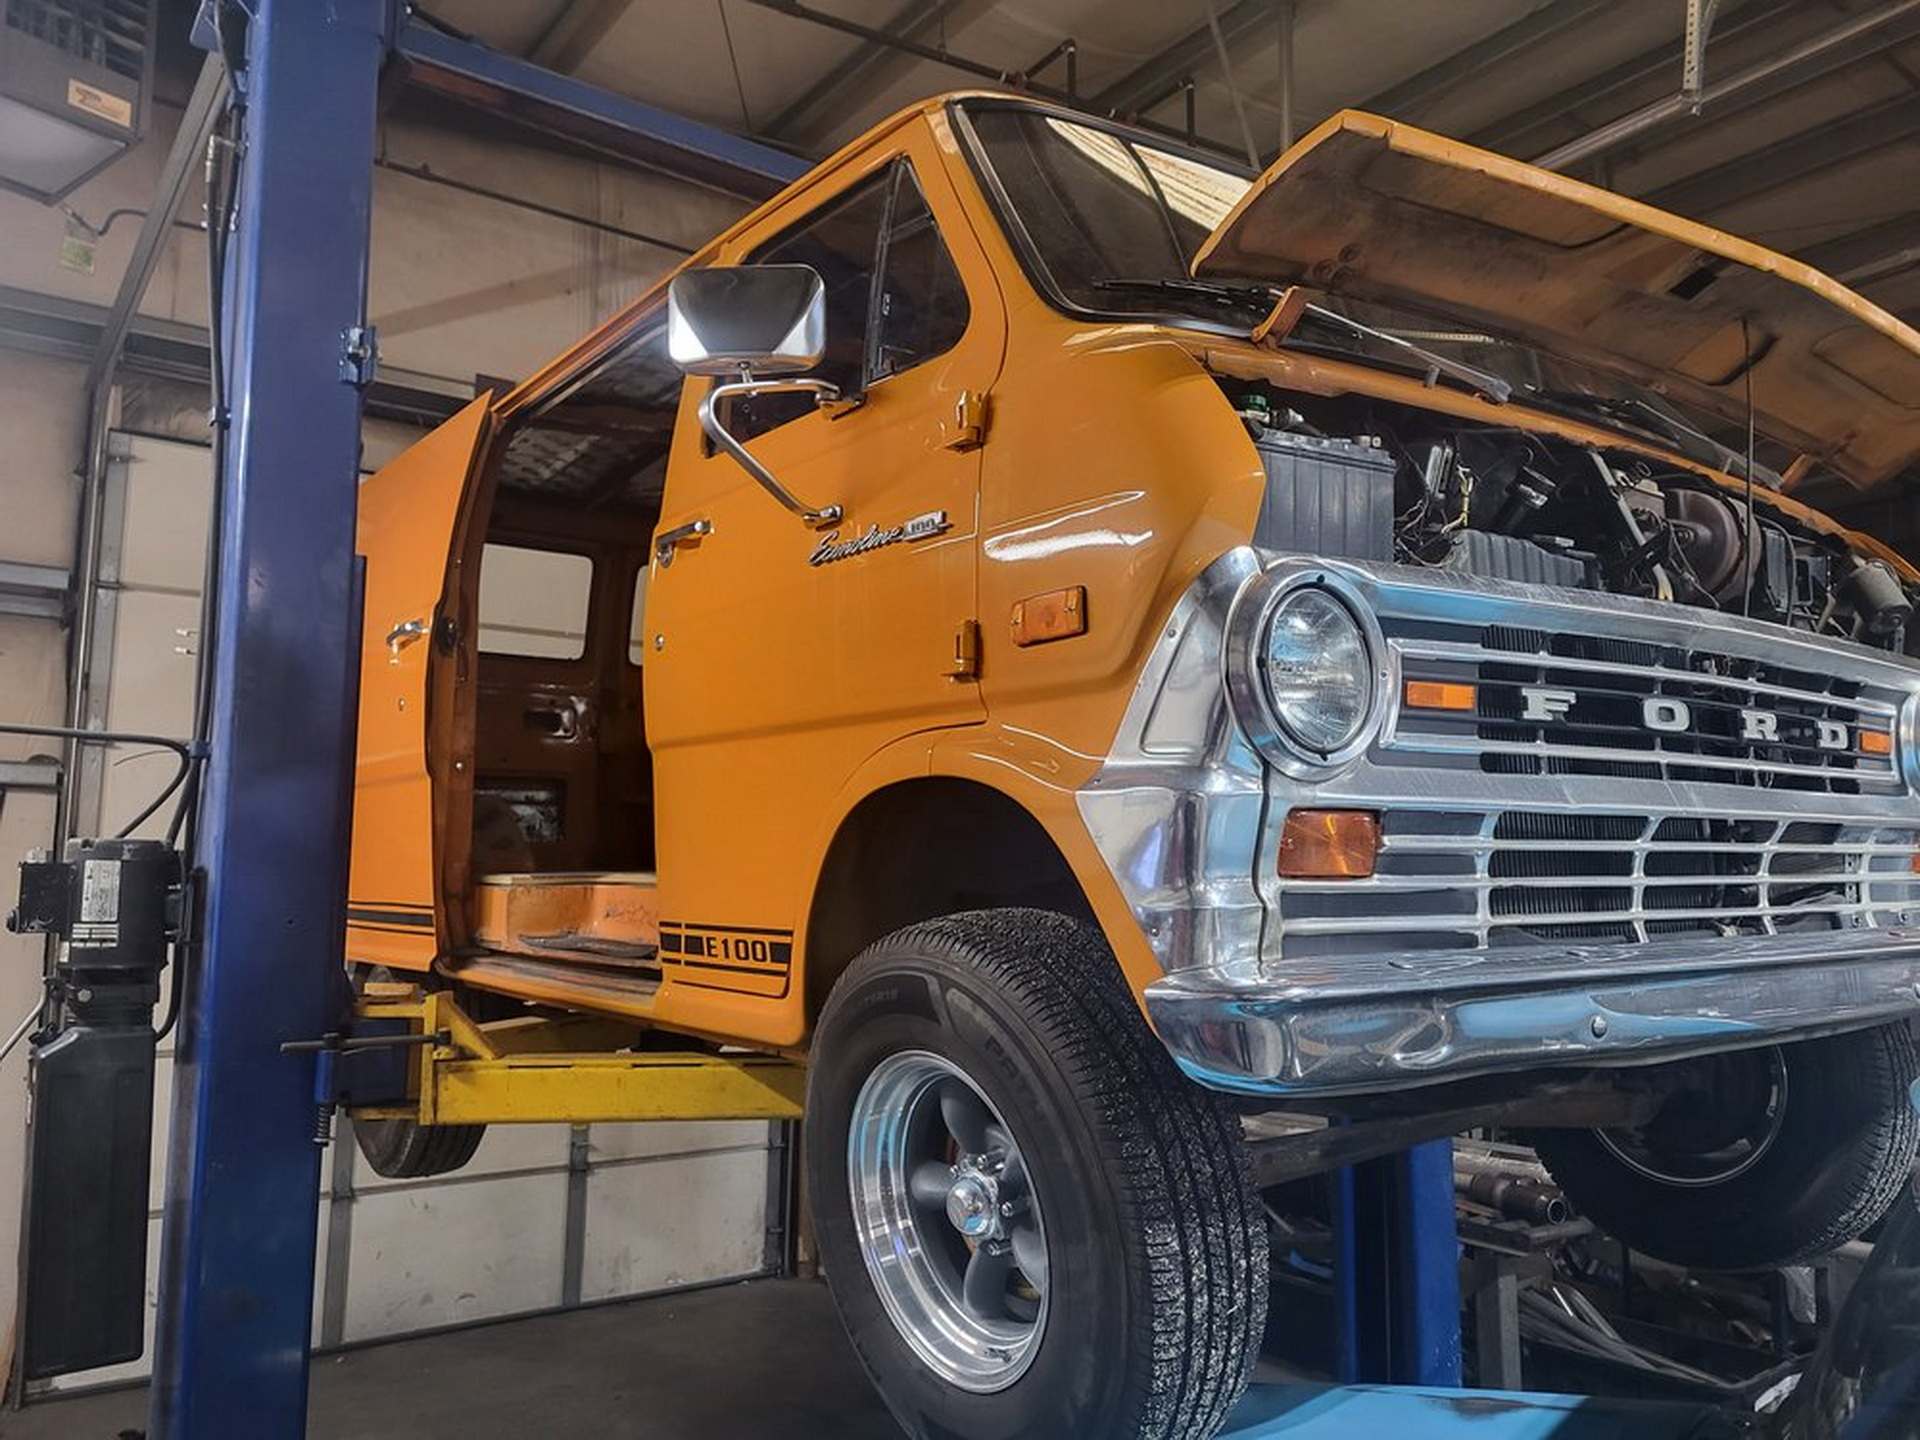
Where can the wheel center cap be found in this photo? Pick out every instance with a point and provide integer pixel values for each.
(973, 1204)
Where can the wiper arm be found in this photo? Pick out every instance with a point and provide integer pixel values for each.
(1237, 296)
(1262, 296)
(1482, 381)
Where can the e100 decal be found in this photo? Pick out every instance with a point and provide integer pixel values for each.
(743, 949)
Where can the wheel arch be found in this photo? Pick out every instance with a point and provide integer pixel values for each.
(925, 847)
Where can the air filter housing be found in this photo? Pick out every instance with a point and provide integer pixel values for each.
(76, 78)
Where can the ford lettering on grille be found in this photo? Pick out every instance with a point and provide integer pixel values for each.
(1667, 716)
(1566, 701)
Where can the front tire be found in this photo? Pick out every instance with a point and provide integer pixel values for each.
(1763, 1158)
(1032, 1224)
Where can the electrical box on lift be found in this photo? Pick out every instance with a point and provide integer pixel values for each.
(114, 906)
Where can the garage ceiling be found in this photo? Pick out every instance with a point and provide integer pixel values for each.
(1819, 159)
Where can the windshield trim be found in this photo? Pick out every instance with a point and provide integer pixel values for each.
(1015, 230)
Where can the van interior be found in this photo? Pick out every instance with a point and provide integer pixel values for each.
(563, 838)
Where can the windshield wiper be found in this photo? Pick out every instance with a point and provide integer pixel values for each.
(1262, 297)
(1483, 381)
(1237, 297)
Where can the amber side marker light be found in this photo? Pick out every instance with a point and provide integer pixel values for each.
(1329, 844)
(1876, 742)
(1056, 615)
(1439, 695)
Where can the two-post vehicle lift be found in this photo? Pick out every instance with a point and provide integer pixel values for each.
(269, 1031)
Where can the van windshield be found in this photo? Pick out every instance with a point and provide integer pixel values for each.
(1107, 224)
(1105, 221)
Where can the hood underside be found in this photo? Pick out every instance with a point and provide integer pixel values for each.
(1382, 212)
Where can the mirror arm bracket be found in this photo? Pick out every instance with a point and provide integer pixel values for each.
(824, 394)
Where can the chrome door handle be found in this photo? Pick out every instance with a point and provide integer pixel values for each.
(406, 632)
(690, 533)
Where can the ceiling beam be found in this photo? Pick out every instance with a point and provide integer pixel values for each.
(571, 35)
(1019, 80)
(1849, 252)
(1885, 268)
(1151, 81)
(1513, 134)
(911, 22)
(1777, 166)
(1404, 100)
(557, 105)
(1865, 36)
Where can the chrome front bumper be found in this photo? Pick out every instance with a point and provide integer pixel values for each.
(1349, 1027)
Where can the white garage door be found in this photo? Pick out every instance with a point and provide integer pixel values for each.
(546, 1216)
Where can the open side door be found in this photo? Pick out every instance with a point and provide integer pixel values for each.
(1379, 211)
(414, 517)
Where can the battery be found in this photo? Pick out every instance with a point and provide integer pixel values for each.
(1326, 497)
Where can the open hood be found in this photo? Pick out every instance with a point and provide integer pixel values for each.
(1379, 211)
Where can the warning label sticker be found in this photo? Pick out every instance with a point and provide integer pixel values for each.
(95, 101)
(100, 891)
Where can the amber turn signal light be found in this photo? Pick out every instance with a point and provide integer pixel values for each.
(1876, 742)
(1439, 695)
(1329, 844)
(1056, 615)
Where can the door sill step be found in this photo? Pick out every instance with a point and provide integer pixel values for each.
(603, 917)
(571, 984)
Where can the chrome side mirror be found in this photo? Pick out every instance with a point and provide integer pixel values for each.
(765, 319)
(751, 322)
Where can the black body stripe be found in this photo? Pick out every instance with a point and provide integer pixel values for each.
(726, 929)
(770, 972)
(401, 919)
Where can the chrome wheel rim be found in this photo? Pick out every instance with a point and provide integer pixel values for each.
(948, 1221)
(1650, 1153)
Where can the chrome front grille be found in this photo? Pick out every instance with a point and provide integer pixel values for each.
(1724, 718)
(1474, 879)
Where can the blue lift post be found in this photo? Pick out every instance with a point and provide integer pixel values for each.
(230, 1356)
(243, 1175)
(1397, 1270)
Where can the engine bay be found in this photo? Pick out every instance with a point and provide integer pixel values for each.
(1353, 477)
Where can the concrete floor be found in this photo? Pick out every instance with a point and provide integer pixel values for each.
(761, 1361)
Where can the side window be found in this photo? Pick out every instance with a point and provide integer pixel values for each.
(921, 308)
(534, 602)
(894, 296)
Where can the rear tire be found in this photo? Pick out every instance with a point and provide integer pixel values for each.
(1123, 1287)
(406, 1149)
(1769, 1157)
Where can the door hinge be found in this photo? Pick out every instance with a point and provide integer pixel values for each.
(966, 652)
(968, 428)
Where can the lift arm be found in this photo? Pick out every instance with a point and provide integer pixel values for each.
(574, 1071)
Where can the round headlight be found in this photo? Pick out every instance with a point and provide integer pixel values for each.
(1317, 670)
